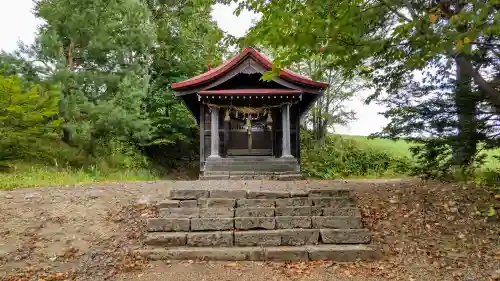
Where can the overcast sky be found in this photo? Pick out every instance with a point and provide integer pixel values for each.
(18, 24)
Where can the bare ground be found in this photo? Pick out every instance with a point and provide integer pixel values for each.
(425, 232)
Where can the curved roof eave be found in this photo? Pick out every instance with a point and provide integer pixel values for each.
(235, 61)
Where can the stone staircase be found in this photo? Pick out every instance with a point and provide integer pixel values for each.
(251, 167)
(258, 225)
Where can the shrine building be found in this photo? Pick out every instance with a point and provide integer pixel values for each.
(249, 128)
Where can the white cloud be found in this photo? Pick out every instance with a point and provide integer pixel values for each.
(368, 120)
(230, 23)
(17, 23)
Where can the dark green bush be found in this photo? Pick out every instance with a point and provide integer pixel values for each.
(338, 157)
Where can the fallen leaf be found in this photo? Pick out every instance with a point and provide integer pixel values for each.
(433, 18)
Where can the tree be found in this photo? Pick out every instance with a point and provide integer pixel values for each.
(13, 64)
(100, 58)
(388, 39)
(329, 109)
(439, 114)
(113, 63)
(188, 41)
(25, 115)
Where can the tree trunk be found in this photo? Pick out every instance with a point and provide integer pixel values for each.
(492, 95)
(465, 144)
(68, 52)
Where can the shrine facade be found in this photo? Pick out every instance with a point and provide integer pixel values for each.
(248, 127)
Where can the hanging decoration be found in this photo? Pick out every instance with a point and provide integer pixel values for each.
(269, 118)
(245, 110)
(249, 125)
(248, 114)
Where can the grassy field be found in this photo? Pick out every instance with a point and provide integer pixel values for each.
(34, 175)
(37, 176)
(402, 148)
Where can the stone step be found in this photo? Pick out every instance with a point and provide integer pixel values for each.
(253, 152)
(277, 237)
(300, 202)
(192, 194)
(251, 163)
(252, 158)
(252, 168)
(269, 210)
(213, 177)
(338, 253)
(188, 220)
(291, 176)
(206, 211)
(245, 173)
(223, 161)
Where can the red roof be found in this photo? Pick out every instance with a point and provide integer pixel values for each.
(235, 61)
(251, 92)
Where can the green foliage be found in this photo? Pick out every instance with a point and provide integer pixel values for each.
(433, 160)
(101, 59)
(386, 39)
(113, 63)
(491, 211)
(316, 160)
(188, 41)
(33, 175)
(488, 177)
(340, 157)
(395, 44)
(13, 64)
(25, 116)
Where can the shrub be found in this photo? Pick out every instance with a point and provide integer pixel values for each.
(27, 113)
(339, 157)
(488, 177)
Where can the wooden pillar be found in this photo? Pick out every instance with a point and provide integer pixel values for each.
(273, 132)
(202, 137)
(297, 135)
(214, 132)
(285, 113)
(226, 135)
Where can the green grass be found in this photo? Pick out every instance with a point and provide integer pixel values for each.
(487, 174)
(395, 148)
(27, 175)
(402, 148)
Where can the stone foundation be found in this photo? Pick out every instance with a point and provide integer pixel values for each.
(258, 225)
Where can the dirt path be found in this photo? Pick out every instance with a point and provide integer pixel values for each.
(426, 232)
